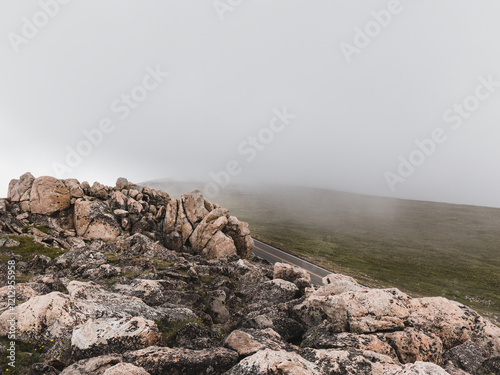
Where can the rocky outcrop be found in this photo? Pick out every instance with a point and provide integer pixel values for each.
(129, 280)
(44, 318)
(93, 220)
(48, 196)
(269, 361)
(96, 365)
(103, 336)
(105, 213)
(178, 361)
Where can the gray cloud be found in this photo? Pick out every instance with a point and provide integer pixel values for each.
(227, 76)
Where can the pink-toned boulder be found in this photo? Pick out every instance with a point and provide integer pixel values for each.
(194, 206)
(92, 220)
(219, 246)
(20, 190)
(49, 195)
(43, 318)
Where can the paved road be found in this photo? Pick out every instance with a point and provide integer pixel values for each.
(275, 255)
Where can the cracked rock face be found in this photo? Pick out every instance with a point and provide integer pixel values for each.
(134, 282)
(103, 336)
(48, 196)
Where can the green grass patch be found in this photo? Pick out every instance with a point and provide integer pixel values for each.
(112, 258)
(206, 279)
(28, 247)
(162, 264)
(26, 355)
(169, 329)
(42, 228)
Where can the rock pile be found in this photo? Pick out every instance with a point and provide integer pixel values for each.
(126, 280)
(98, 212)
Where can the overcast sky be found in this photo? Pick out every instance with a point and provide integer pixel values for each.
(178, 87)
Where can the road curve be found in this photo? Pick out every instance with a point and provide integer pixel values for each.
(274, 255)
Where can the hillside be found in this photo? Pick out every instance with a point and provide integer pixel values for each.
(126, 279)
(423, 248)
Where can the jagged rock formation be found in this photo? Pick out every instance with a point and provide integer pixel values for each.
(126, 280)
(191, 223)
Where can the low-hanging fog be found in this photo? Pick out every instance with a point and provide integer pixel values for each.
(390, 98)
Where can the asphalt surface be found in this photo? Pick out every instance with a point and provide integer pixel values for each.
(274, 255)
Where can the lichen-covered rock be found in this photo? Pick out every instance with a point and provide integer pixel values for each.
(49, 195)
(20, 190)
(94, 220)
(420, 368)
(94, 366)
(219, 246)
(294, 274)
(125, 368)
(451, 321)
(217, 307)
(489, 367)
(99, 303)
(331, 361)
(363, 311)
(194, 206)
(276, 318)
(100, 191)
(74, 187)
(239, 231)
(44, 318)
(104, 336)
(412, 346)
(178, 361)
(467, 356)
(206, 229)
(274, 292)
(325, 336)
(250, 341)
(335, 283)
(270, 362)
(21, 292)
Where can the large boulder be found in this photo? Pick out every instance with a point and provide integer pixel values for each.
(49, 195)
(20, 190)
(94, 220)
(219, 246)
(362, 311)
(207, 228)
(274, 292)
(239, 231)
(420, 368)
(105, 335)
(250, 341)
(412, 346)
(74, 187)
(451, 321)
(99, 303)
(331, 361)
(336, 283)
(125, 368)
(467, 357)
(289, 272)
(44, 318)
(178, 361)
(194, 206)
(94, 366)
(271, 362)
(325, 336)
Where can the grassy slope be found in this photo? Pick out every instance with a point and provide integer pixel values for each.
(423, 248)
